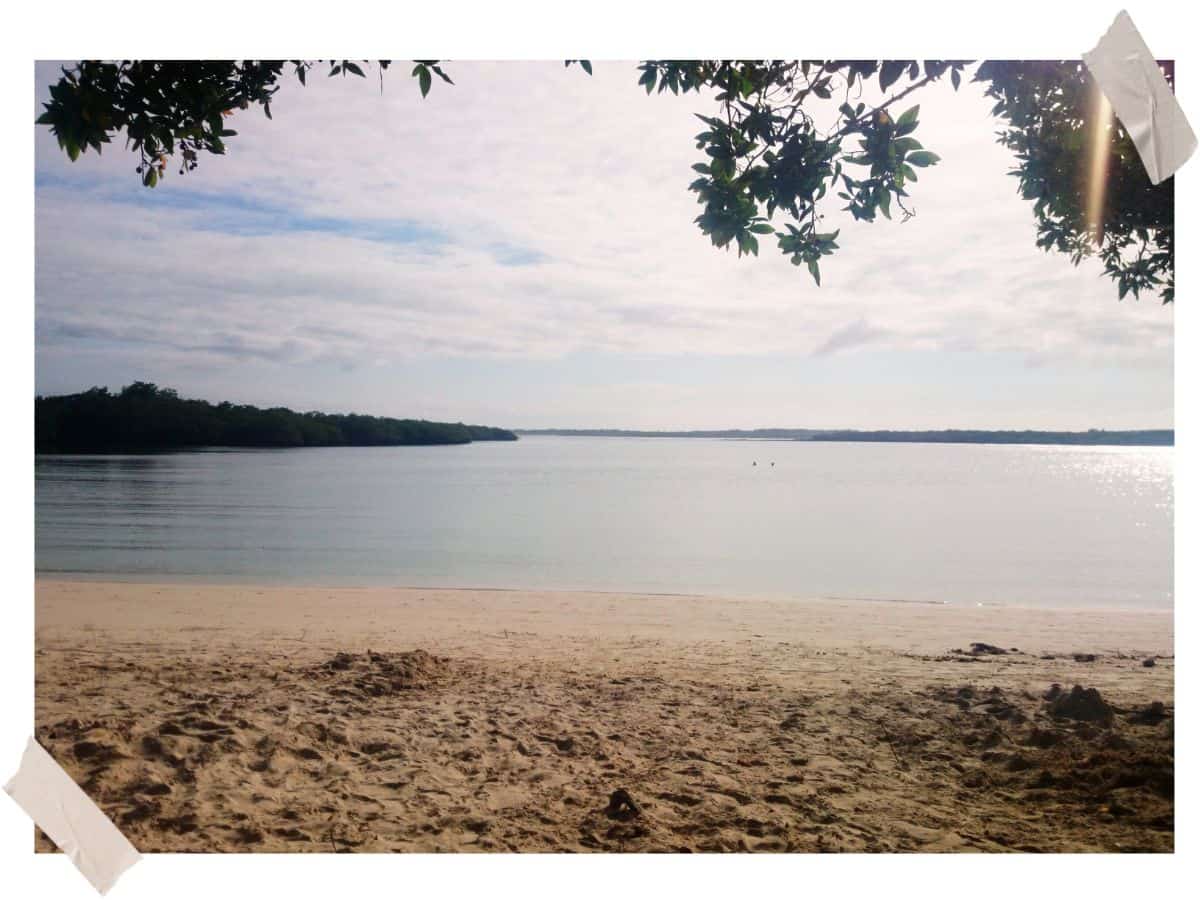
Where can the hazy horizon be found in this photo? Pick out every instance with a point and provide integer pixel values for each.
(622, 428)
(457, 260)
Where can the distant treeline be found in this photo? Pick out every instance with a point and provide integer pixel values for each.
(1154, 437)
(761, 434)
(146, 417)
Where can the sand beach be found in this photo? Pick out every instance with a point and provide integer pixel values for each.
(287, 719)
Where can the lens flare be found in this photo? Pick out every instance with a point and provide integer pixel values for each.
(1099, 157)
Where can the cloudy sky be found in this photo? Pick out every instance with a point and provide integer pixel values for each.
(519, 250)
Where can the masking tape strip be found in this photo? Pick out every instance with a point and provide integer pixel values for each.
(69, 817)
(1129, 76)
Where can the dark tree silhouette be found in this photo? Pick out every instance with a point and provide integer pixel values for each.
(143, 416)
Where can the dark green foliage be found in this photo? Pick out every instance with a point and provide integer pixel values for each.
(766, 156)
(1048, 110)
(145, 417)
(167, 107)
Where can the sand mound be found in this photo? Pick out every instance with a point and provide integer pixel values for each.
(373, 674)
(978, 648)
(993, 702)
(1081, 704)
(1152, 714)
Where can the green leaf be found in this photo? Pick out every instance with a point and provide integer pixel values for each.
(889, 73)
(909, 117)
(762, 228)
(815, 270)
(922, 158)
(426, 80)
(354, 70)
(587, 65)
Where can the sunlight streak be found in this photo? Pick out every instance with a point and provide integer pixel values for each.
(1098, 162)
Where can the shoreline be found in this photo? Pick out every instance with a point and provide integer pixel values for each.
(278, 719)
(238, 582)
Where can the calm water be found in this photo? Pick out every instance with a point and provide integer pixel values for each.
(1058, 526)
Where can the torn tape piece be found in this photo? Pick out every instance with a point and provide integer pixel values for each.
(1129, 76)
(70, 818)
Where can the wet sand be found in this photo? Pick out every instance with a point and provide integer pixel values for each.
(281, 719)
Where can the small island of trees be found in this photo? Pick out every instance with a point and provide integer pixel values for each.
(143, 416)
